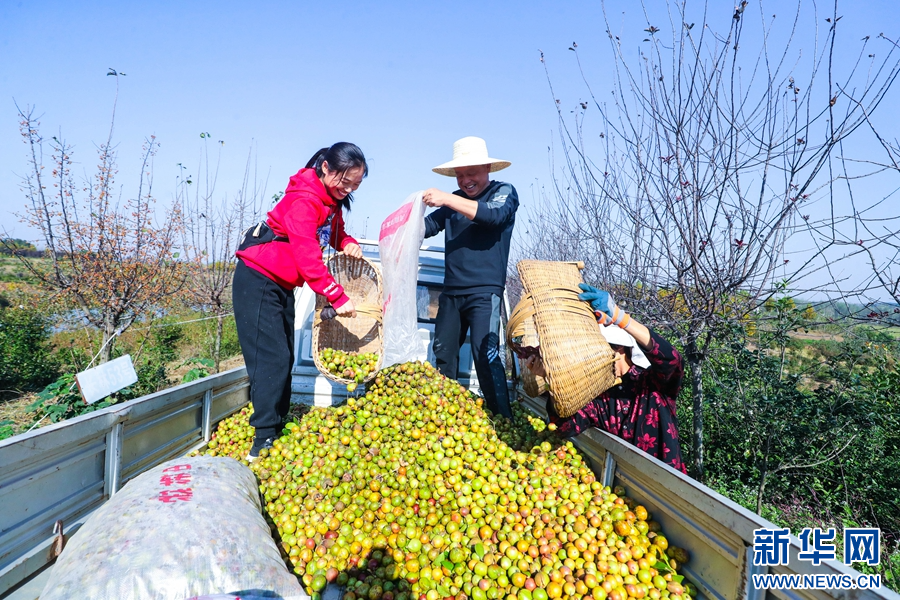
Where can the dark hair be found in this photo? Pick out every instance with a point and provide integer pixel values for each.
(625, 349)
(340, 158)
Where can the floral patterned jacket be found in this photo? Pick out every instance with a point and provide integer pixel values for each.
(641, 410)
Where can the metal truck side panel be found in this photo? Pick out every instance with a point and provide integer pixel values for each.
(66, 470)
(716, 531)
(154, 438)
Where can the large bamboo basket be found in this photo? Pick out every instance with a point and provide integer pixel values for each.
(361, 281)
(577, 358)
(521, 333)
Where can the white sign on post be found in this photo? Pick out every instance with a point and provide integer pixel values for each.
(99, 382)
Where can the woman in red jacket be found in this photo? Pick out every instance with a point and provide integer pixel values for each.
(283, 253)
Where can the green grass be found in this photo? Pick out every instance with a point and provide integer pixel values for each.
(891, 331)
(13, 271)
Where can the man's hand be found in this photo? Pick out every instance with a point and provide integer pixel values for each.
(435, 197)
(347, 309)
(353, 250)
(464, 206)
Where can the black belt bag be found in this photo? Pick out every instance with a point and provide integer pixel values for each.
(258, 234)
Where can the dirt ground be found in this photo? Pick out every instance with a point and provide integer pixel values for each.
(817, 335)
(15, 410)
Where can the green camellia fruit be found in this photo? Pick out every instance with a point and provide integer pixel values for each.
(412, 490)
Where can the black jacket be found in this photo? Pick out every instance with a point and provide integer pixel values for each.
(476, 252)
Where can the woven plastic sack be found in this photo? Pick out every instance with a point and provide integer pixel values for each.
(331, 592)
(188, 527)
(243, 597)
(398, 243)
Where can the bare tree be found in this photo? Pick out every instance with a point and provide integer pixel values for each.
(711, 153)
(882, 251)
(104, 255)
(211, 232)
(874, 233)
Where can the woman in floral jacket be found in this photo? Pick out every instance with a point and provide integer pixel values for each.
(640, 410)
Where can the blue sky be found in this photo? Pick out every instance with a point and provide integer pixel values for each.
(403, 80)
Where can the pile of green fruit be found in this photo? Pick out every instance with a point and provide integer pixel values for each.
(355, 366)
(411, 492)
(234, 435)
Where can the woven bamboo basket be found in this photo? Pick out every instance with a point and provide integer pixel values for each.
(577, 359)
(361, 281)
(522, 338)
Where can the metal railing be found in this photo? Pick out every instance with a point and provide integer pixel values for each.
(65, 471)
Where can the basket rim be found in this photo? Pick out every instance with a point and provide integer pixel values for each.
(378, 278)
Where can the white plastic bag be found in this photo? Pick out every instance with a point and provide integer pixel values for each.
(188, 527)
(399, 242)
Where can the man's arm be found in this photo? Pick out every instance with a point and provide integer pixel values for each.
(499, 209)
(464, 206)
(436, 221)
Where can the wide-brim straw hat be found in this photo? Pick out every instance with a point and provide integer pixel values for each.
(470, 152)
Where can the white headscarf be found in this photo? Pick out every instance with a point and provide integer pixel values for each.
(618, 336)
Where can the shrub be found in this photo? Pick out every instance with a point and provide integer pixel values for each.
(62, 400)
(26, 360)
(164, 342)
(201, 367)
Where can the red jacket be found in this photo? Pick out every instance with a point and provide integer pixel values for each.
(306, 215)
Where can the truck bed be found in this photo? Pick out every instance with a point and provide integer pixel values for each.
(717, 532)
(66, 470)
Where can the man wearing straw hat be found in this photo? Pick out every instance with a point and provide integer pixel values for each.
(477, 221)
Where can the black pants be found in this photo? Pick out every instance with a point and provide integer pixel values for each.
(264, 315)
(479, 314)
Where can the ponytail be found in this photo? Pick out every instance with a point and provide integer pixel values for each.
(316, 161)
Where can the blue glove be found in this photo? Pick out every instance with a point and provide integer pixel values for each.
(604, 307)
(598, 299)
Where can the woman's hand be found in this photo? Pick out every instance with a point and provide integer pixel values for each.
(353, 250)
(535, 364)
(604, 306)
(347, 309)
